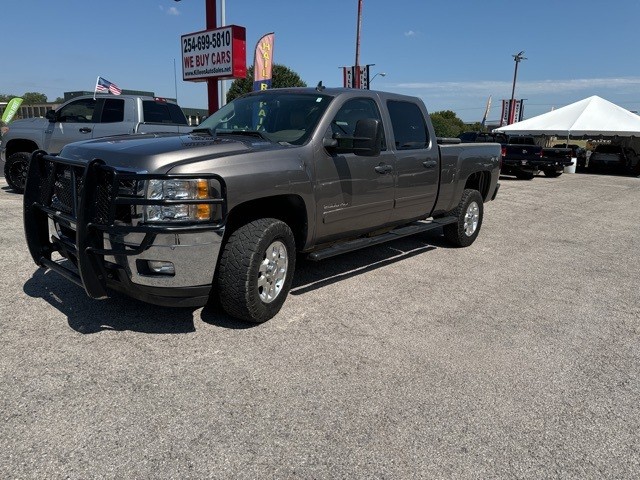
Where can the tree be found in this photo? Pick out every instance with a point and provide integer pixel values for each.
(447, 124)
(282, 77)
(33, 98)
(6, 97)
(474, 127)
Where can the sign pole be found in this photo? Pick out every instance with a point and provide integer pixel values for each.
(212, 83)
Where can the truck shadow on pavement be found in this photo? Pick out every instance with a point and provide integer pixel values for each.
(118, 313)
(121, 313)
(311, 275)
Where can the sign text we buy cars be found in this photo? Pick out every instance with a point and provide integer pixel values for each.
(219, 53)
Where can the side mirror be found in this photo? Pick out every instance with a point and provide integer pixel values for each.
(367, 138)
(50, 115)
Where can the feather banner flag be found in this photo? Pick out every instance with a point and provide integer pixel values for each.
(263, 62)
(11, 109)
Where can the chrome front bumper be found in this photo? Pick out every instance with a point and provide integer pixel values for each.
(77, 211)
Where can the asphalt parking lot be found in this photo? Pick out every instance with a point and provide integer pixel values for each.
(517, 357)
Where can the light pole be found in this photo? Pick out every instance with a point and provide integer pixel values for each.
(356, 80)
(518, 57)
(382, 74)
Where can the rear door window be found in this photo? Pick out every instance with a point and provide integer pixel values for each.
(112, 111)
(162, 112)
(409, 126)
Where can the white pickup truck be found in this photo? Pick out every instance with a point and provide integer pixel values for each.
(84, 118)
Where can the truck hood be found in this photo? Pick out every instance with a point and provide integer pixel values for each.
(160, 152)
(29, 124)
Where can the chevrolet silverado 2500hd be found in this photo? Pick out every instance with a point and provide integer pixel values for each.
(220, 214)
(82, 118)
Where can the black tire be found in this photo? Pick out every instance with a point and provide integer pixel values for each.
(241, 284)
(469, 213)
(524, 176)
(15, 171)
(552, 173)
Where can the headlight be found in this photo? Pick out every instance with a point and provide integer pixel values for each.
(178, 189)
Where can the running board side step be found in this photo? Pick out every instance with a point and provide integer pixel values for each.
(395, 234)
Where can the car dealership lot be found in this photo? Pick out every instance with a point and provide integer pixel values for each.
(516, 357)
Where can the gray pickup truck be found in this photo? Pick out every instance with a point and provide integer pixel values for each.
(221, 213)
(82, 118)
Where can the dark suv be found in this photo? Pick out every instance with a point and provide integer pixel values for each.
(614, 157)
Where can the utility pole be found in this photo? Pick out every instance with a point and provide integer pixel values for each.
(518, 57)
(356, 80)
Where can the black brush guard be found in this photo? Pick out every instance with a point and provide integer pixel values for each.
(88, 196)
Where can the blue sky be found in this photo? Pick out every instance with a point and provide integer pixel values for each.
(452, 54)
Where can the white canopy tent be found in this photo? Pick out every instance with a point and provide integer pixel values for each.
(591, 117)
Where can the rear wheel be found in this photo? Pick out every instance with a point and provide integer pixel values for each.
(15, 171)
(256, 270)
(469, 213)
(552, 173)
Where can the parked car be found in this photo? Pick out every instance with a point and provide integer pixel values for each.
(82, 118)
(577, 152)
(614, 157)
(222, 212)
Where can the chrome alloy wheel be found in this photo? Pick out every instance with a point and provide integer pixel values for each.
(471, 218)
(273, 271)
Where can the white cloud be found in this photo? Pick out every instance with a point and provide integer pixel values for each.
(170, 11)
(530, 87)
(410, 33)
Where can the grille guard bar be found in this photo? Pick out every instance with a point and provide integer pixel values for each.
(94, 206)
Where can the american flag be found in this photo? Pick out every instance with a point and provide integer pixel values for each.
(104, 85)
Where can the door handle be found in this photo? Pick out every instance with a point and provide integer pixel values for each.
(85, 130)
(383, 168)
(429, 164)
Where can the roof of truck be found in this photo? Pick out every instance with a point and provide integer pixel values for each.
(355, 92)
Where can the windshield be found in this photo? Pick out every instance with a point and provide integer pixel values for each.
(280, 117)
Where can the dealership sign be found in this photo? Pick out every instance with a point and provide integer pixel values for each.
(214, 54)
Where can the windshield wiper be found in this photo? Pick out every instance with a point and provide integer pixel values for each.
(249, 133)
(209, 131)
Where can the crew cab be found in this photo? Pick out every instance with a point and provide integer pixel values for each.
(83, 118)
(221, 213)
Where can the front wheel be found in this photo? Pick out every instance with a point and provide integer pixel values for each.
(15, 171)
(469, 213)
(256, 270)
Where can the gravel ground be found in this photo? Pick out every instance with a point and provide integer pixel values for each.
(517, 357)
